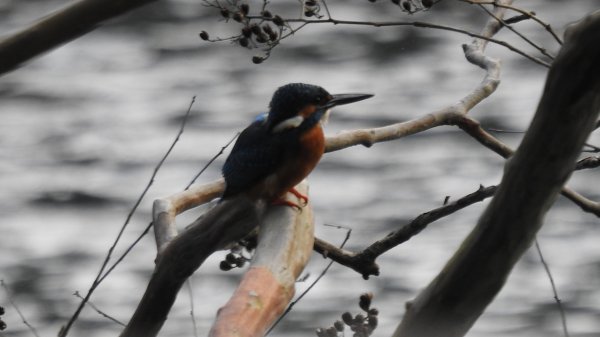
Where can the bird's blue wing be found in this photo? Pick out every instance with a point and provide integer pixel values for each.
(254, 155)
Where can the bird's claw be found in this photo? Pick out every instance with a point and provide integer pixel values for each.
(303, 198)
(283, 202)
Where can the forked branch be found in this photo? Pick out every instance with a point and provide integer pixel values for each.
(533, 177)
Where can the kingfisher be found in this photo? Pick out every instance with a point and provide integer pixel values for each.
(278, 150)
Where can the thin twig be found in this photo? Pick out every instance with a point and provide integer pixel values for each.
(12, 302)
(102, 313)
(419, 24)
(147, 229)
(592, 148)
(529, 14)
(188, 283)
(533, 44)
(211, 161)
(563, 317)
(65, 330)
(126, 252)
(291, 306)
(588, 163)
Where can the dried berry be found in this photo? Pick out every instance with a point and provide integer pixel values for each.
(238, 17)
(331, 332)
(365, 301)
(308, 13)
(230, 258)
(373, 322)
(224, 266)
(339, 326)
(427, 3)
(407, 6)
(244, 42)
(278, 20)
(267, 14)
(204, 35)
(244, 8)
(240, 262)
(310, 3)
(373, 312)
(225, 13)
(267, 29)
(246, 31)
(273, 36)
(359, 319)
(257, 59)
(262, 38)
(255, 29)
(347, 318)
(397, 2)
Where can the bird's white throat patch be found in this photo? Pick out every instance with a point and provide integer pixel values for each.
(295, 122)
(325, 117)
(289, 123)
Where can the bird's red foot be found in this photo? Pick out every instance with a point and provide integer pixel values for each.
(283, 202)
(302, 197)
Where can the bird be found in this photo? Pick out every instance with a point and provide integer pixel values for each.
(279, 149)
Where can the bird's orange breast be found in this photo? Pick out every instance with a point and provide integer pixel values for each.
(301, 160)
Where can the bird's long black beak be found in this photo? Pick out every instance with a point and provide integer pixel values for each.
(342, 99)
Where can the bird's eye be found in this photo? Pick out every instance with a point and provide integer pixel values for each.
(318, 99)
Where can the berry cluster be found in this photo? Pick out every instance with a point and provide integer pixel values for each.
(2, 324)
(362, 325)
(262, 30)
(411, 6)
(239, 254)
(265, 30)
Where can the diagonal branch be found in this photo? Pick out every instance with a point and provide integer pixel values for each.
(364, 261)
(61, 27)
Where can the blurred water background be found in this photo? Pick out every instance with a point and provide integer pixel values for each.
(82, 128)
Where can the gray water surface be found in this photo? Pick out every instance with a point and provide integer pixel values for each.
(83, 126)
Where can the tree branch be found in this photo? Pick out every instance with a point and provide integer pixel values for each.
(364, 261)
(533, 177)
(227, 222)
(56, 29)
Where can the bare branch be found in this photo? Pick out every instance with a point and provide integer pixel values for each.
(454, 300)
(419, 24)
(100, 312)
(364, 261)
(523, 37)
(14, 304)
(588, 163)
(561, 310)
(56, 29)
(228, 221)
(528, 14)
(473, 129)
(100, 277)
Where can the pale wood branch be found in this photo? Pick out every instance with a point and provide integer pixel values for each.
(454, 300)
(285, 244)
(166, 209)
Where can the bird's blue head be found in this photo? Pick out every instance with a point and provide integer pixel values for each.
(298, 104)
